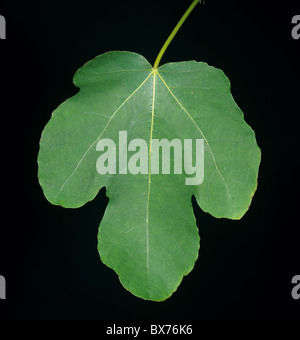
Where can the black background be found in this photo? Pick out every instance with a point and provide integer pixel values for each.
(49, 254)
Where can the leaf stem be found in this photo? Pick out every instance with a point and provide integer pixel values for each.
(174, 32)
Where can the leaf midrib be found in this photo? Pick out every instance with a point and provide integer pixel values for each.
(149, 171)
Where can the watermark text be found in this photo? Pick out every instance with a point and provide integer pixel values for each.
(296, 28)
(2, 288)
(296, 288)
(155, 159)
(2, 27)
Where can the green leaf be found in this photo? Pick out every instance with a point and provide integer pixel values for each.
(148, 234)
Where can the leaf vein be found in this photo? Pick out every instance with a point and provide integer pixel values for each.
(106, 126)
(149, 181)
(191, 118)
(119, 71)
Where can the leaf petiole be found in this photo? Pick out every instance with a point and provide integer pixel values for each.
(174, 32)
